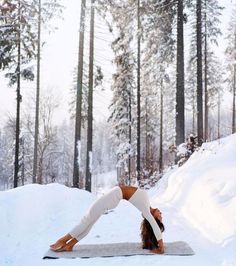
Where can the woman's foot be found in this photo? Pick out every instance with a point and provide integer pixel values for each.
(61, 242)
(58, 245)
(64, 244)
(66, 247)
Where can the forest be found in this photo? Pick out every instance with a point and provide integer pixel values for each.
(171, 91)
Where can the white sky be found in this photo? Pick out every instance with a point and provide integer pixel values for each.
(59, 59)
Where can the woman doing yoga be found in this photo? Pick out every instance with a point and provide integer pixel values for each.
(151, 227)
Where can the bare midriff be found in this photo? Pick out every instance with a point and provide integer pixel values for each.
(128, 191)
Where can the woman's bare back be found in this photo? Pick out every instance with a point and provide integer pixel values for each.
(128, 191)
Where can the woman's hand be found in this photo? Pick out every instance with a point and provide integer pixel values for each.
(157, 251)
(160, 249)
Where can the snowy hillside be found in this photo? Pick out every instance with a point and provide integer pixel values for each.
(204, 190)
(198, 202)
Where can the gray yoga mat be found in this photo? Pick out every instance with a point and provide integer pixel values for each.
(179, 248)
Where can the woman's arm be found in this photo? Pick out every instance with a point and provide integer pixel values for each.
(160, 249)
(154, 225)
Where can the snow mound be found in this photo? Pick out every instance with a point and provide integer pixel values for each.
(203, 190)
(34, 211)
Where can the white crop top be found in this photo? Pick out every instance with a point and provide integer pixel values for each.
(141, 201)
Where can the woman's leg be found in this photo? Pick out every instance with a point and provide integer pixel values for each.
(68, 246)
(82, 229)
(107, 201)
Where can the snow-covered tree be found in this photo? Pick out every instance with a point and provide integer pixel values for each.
(17, 38)
(123, 86)
(122, 113)
(45, 11)
(231, 64)
(158, 54)
(104, 158)
(211, 11)
(6, 155)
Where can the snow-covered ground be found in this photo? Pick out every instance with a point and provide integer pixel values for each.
(198, 201)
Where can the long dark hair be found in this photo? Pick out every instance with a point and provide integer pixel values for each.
(147, 235)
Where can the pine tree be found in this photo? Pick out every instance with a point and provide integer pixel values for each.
(191, 85)
(120, 108)
(158, 55)
(211, 31)
(231, 65)
(7, 33)
(21, 46)
(211, 20)
(7, 153)
(123, 85)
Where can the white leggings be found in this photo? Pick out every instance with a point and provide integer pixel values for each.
(106, 202)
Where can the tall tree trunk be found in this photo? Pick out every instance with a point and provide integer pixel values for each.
(18, 99)
(90, 104)
(218, 122)
(147, 164)
(234, 88)
(205, 76)
(234, 94)
(78, 116)
(36, 131)
(199, 74)
(130, 136)
(23, 163)
(161, 131)
(193, 115)
(180, 123)
(138, 97)
(40, 170)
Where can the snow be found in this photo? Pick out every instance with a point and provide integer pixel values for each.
(198, 202)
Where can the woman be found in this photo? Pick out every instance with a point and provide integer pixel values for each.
(151, 227)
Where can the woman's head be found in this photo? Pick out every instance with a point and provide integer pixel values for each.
(156, 213)
(147, 235)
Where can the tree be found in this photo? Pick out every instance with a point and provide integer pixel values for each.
(7, 33)
(77, 143)
(231, 63)
(47, 134)
(104, 158)
(122, 106)
(123, 84)
(17, 15)
(90, 104)
(211, 20)
(210, 32)
(158, 55)
(191, 85)
(7, 136)
(45, 11)
(215, 89)
(199, 73)
(180, 105)
(138, 93)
